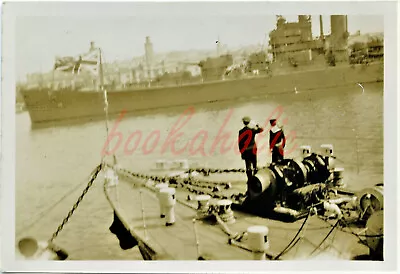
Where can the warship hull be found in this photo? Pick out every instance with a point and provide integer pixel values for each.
(48, 108)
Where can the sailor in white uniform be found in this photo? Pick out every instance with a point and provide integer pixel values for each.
(277, 142)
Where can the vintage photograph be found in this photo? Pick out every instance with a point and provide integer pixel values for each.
(199, 135)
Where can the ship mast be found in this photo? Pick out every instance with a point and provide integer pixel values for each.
(218, 47)
(100, 69)
(105, 95)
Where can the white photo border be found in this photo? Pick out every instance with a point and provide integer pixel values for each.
(11, 11)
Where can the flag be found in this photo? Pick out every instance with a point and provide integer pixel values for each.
(87, 62)
(65, 64)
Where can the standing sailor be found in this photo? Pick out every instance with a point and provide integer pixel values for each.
(247, 145)
(277, 142)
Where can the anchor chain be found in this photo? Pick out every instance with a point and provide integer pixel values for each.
(94, 175)
(207, 171)
(177, 180)
(193, 185)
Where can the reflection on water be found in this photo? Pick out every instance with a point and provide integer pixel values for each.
(50, 162)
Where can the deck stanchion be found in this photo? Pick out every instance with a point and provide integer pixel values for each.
(143, 215)
(196, 239)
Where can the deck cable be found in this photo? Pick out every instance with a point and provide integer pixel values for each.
(326, 237)
(359, 236)
(290, 246)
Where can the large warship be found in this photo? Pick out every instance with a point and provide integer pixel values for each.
(299, 62)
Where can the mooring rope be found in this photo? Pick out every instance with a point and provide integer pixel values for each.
(75, 206)
(93, 175)
(105, 98)
(43, 213)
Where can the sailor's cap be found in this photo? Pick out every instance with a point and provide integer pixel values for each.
(246, 119)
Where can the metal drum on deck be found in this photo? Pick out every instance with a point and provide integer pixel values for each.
(297, 174)
(370, 200)
(264, 180)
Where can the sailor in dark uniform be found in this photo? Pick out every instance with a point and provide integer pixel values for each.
(247, 145)
(277, 142)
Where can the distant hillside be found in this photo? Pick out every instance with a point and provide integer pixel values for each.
(240, 52)
(364, 38)
(192, 56)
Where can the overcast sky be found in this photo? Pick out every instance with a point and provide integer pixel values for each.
(39, 39)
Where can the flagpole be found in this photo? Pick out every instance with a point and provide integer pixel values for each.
(101, 83)
(101, 75)
(102, 88)
(52, 81)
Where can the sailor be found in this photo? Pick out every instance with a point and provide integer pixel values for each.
(247, 145)
(277, 142)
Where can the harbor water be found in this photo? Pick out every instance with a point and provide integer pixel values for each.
(54, 161)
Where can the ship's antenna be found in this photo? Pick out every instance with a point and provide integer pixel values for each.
(218, 46)
(263, 43)
(52, 80)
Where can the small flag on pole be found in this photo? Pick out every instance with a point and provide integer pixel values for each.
(87, 62)
(66, 64)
